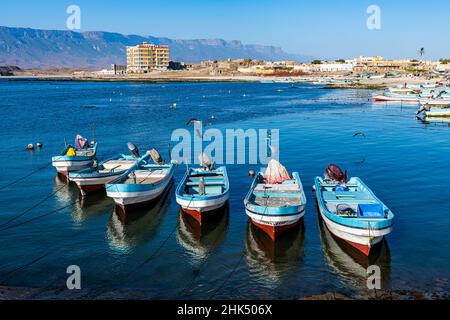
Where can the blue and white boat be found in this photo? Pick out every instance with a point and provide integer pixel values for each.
(73, 159)
(141, 184)
(352, 212)
(93, 179)
(275, 206)
(203, 191)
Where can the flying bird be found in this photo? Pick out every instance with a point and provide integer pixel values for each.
(360, 134)
(193, 120)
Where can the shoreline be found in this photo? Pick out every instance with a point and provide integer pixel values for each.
(29, 293)
(368, 84)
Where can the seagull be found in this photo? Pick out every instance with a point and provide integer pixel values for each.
(361, 134)
(193, 120)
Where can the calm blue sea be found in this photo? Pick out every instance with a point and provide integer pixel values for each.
(160, 253)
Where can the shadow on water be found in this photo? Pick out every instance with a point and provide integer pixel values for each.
(350, 264)
(199, 240)
(83, 208)
(126, 231)
(270, 261)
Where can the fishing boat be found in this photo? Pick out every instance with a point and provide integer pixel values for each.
(204, 190)
(438, 112)
(76, 157)
(397, 97)
(276, 200)
(351, 211)
(142, 183)
(93, 179)
(435, 102)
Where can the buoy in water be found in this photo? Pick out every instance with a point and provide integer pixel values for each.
(30, 146)
(39, 145)
(251, 173)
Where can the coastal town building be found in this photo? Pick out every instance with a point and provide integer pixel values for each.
(146, 57)
(336, 67)
(379, 65)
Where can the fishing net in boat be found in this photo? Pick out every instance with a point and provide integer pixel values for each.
(334, 173)
(156, 156)
(275, 172)
(81, 142)
(205, 161)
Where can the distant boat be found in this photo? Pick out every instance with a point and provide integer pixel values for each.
(352, 212)
(72, 159)
(141, 184)
(438, 112)
(203, 191)
(437, 102)
(275, 206)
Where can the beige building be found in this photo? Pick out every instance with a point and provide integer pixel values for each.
(146, 57)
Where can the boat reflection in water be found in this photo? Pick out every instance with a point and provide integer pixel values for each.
(126, 231)
(199, 240)
(350, 264)
(271, 262)
(82, 208)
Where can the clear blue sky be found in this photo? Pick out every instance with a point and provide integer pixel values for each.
(325, 29)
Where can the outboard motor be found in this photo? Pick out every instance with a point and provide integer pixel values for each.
(156, 157)
(334, 173)
(133, 149)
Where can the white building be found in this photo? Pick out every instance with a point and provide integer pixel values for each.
(336, 67)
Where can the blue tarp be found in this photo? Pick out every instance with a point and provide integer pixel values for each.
(370, 211)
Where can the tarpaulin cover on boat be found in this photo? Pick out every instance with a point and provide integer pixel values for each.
(81, 142)
(370, 210)
(275, 172)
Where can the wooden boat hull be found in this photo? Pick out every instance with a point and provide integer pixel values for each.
(381, 98)
(65, 164)
(363, 240)
(93, 183)
(132, 195)
(199, 206)
(127, 198)
(363, 234)
(437, 112)
(287, 207)
(201, 212)
(275, 227)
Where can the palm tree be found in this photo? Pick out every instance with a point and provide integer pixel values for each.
(421, 52)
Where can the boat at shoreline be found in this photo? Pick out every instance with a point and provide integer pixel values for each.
(276, 201)
(141, 184)
(351, 211)
(73, 159)
(203, 191)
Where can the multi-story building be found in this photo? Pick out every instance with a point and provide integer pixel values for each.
(146, 57)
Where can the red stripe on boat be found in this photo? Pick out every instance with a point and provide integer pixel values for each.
(274, 231)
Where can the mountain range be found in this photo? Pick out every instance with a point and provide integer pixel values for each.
(40, 49)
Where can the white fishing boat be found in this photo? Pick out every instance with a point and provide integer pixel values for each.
(351, 211)
(75, 157)
(141, 184)
(93, 179)
(276, 200)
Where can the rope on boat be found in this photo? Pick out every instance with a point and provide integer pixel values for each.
(25, 176)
